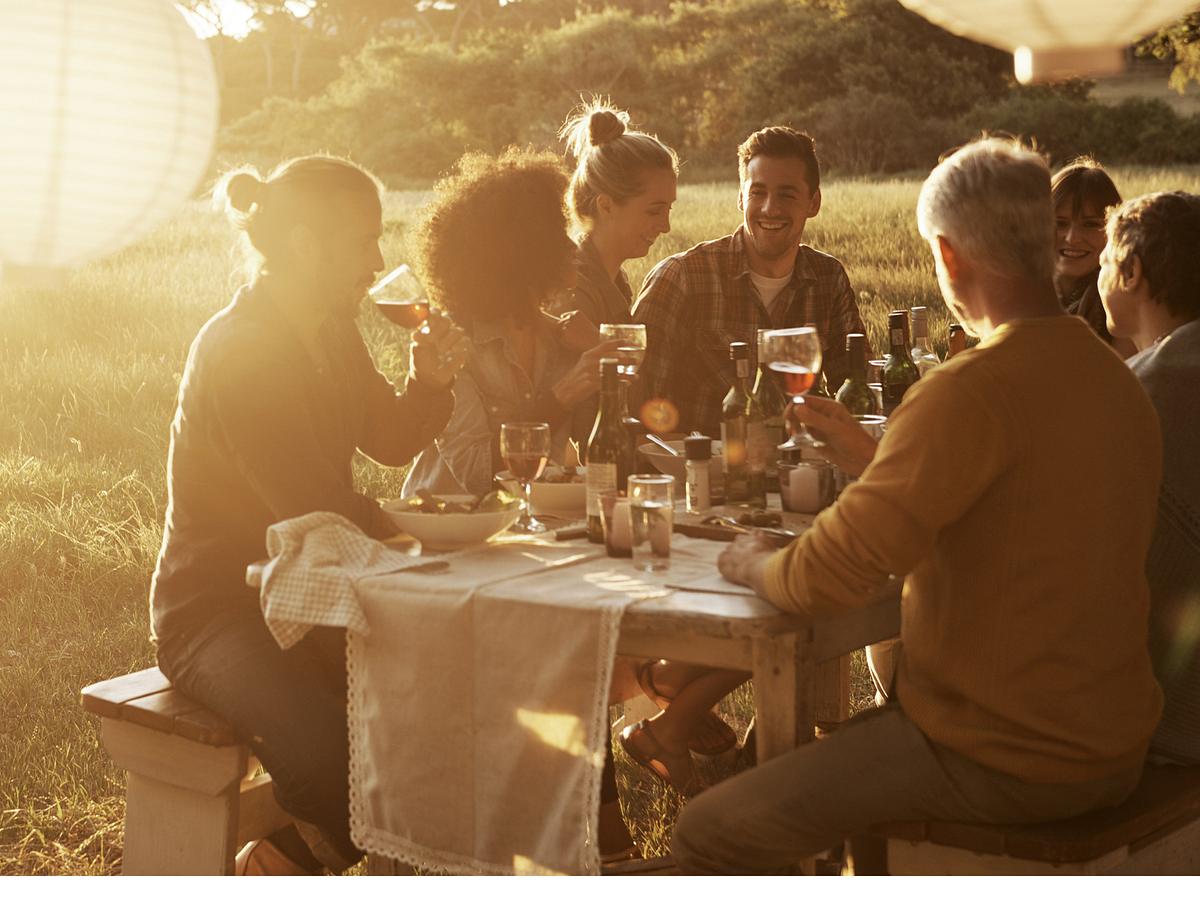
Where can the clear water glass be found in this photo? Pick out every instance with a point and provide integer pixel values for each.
(652, 515)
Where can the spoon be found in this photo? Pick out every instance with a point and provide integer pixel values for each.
(659, 441)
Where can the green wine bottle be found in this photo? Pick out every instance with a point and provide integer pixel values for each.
(899, 373)
(744, 435)
(606, 449)
(854, 393)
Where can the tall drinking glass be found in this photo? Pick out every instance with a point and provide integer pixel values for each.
(652, 514)
(794, 354)
(525, 446)
(400, 298)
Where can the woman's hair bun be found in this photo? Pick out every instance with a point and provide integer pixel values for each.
(605, 125)
(244, 189)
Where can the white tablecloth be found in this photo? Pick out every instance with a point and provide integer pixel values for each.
(478, 693)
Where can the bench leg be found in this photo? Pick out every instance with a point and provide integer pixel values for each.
(181, 812)
(173, 830)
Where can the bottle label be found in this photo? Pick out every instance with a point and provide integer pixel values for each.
(601, 479)
(892, 395)
(897, 337)
(758, 446)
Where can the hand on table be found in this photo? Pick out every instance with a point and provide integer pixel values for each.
(583, 380)
(744, 561)
(437, 355)
(847, 443)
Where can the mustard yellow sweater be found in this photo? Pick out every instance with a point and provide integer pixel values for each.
(1015, 492)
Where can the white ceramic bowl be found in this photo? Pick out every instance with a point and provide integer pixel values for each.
(676, 465)
(565, 500)
(452, 530)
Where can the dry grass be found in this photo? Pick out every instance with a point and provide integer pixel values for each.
(88, 376)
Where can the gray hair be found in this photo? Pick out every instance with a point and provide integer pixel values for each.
(991, 200)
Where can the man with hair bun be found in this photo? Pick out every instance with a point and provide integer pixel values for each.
(695, 303)
(278, 394)
(1018, 511)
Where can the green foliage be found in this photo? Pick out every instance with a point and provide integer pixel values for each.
(701, 77)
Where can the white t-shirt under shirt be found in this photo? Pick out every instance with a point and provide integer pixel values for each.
(769, 288)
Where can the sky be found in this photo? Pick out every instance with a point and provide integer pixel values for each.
(235, 17)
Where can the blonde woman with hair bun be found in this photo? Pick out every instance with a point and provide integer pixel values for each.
(620, 196)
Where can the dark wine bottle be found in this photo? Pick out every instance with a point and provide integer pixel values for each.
(821, 385)
(747, 447)
(771, 399)
(855, 394)
(606, 448)
(899, 373)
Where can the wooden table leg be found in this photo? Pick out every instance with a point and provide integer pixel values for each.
(785, 709)
(833, 690)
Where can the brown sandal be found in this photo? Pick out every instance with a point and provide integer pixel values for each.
(712, 736)
(673, 769)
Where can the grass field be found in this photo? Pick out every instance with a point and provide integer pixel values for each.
(88, 376)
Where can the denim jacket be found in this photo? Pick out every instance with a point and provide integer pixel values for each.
(492, 389)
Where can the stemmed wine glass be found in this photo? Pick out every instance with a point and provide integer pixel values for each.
(525, 446)
(404, 303)
(795, 355)
(629, 355)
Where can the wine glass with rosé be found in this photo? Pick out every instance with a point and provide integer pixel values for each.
(401, 300)
(794, 355)
(525, 446)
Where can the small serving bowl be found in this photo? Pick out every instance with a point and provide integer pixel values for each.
(452, 530)
(676, 466)
(563, 500)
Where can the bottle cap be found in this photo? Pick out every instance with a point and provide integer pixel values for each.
(697, 449)
(852, 339)
(739, 350)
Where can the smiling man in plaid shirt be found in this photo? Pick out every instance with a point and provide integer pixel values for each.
(694, 304)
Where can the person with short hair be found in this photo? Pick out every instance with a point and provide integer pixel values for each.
(1083, 193)
(278, 394)
(1024, 690)
(1150, 287)
(494, 249)
(695, 303)
(620, 196)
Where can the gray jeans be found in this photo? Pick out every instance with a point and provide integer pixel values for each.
(879, 767)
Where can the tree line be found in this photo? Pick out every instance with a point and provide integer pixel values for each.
(406, 88)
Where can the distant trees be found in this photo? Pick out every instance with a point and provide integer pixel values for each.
(879, 87)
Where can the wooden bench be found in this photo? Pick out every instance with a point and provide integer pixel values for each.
(193, 796)
(1156, 831)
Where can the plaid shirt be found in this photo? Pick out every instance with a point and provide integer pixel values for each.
(694, 304)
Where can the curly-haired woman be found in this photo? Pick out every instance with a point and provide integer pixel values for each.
(493, 248)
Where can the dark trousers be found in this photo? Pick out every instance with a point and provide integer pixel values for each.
(288, 706)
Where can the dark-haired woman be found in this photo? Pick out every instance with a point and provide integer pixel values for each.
(278, 393)
(1082, 193)
(1150, 287)
(620, 196)
(494, 249)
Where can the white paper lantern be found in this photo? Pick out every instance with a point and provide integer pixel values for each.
(1053, 39)
(108, 115)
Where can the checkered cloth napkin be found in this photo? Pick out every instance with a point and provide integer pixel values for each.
(316, 559)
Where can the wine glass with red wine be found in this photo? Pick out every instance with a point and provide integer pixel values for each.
(401, 300)
(525, 446)
(794, 356)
